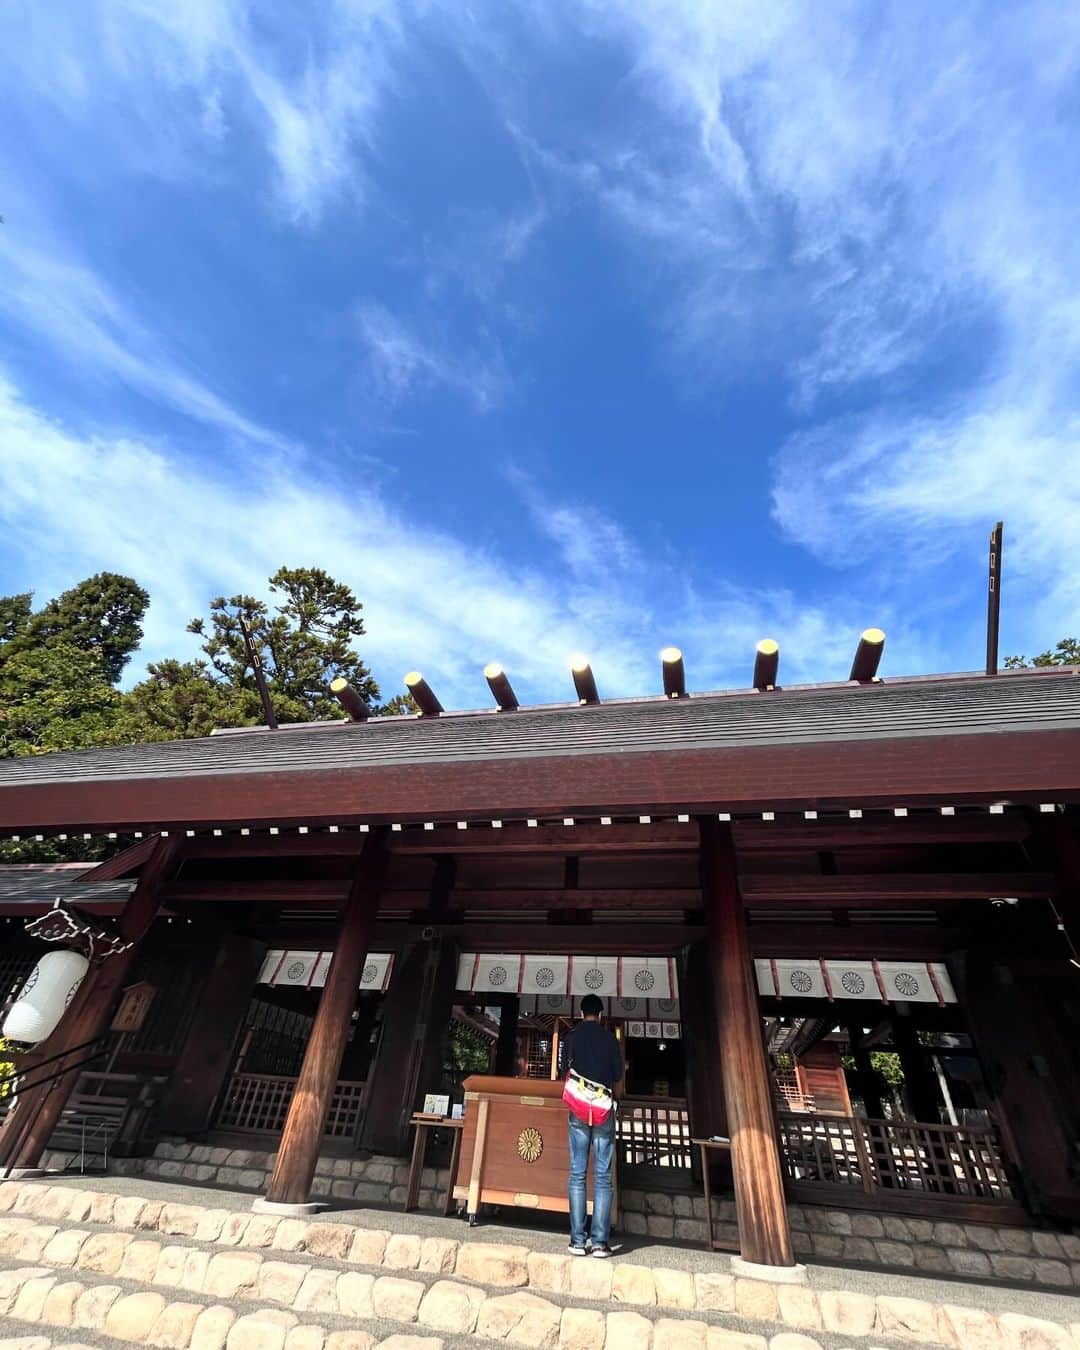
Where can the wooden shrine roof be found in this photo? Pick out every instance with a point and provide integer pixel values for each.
(1017, 732)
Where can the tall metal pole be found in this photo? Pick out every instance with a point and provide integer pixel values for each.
(260, 677)
(993, 601)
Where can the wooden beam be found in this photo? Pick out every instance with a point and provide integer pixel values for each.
(761, 1209)
(318, 844)
(669, 898)
(323, 893)
(931, 942)
(889, 890)
(122, 864)
(892, 832)
(547, 939)
(301, 1139)
(87, 1017)
(667, 836)
(515, 838)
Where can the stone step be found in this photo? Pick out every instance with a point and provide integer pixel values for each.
(304, 1265)
(485, 1296)
(111, 1308)
(110, 1311)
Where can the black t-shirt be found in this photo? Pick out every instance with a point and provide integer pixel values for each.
(594, 1052)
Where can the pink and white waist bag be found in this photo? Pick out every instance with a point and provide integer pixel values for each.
(590, 1102)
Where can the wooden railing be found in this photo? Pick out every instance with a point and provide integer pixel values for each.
(256, 1102)
(883, 1156)
(653, 1132)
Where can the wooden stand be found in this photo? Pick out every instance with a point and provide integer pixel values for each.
(423, 1124)
(515, 1148)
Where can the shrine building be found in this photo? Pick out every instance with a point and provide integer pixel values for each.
(831, 924)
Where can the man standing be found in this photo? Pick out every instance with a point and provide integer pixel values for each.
(592, 1064)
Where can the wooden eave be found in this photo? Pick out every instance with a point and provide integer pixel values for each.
(1025, 767)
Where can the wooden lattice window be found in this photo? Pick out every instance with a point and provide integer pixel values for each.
(14, 968)
(259, 1102)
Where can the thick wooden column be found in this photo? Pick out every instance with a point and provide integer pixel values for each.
(764, 1232)
(204, 1060)
(706, 1087)
(416, 1014)
(88, 1016)
(298, 1152)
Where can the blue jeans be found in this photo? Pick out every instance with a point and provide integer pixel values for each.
(601, 1139)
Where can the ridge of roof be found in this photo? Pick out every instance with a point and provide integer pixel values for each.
(639, 700)
(1040, 700)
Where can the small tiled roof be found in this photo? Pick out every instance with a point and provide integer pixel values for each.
(1020, 701)
(34, 886)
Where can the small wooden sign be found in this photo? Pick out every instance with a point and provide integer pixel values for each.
(134, 1006)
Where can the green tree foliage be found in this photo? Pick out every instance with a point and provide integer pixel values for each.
(467, 1051)
(303, 643)
(1066, 653)
(181, 699)
(401, 705)
(102, 616)
(59, 666)
(57, 697)
(7, 1069)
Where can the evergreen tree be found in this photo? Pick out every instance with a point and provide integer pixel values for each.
(101, 615)
(1066, 653)
(302, 644)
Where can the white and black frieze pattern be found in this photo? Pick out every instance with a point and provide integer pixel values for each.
(894, 981)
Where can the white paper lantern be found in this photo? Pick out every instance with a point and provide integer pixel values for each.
(48, 990)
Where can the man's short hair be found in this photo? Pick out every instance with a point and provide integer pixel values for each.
(591, 1006)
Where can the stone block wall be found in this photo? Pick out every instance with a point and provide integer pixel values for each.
(374, 1181)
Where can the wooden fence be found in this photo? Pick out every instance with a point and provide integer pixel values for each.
(886, 1156)
(258, 1102)
(654, 1132)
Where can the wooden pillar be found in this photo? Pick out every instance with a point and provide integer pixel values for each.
(87, 1018)
(204, 1061)
(866, 1080)
(416, 1015)
(298, 1152)
(704, 1074)
(506, 1046)
(920, 1084)
(764, 1231)
(1036, 1131)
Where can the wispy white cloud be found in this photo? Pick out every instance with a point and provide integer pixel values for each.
(187, 76)
(78, 315)
(431, 601)
(875, 209)
(401, 362)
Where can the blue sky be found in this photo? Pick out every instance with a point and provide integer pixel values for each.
(574, 326)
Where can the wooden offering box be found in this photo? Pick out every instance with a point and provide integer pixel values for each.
(514, 1148)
